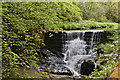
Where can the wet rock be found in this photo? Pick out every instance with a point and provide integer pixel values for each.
(87, 67)
(61, 70)
(54, 64)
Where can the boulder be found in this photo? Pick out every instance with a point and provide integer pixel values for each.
(115, 74)
(87, 67)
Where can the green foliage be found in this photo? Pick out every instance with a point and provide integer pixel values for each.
(83, 26)
(109, 57)
(18, 48)
(99, 11)
(111, 11)
(24, 24)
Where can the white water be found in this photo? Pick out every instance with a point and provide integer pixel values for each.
(76, 49)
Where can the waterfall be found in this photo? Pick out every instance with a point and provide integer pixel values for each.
(72, 48)
(77, 43)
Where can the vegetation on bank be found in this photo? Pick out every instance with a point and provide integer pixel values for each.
(83, 26)
(99, 11)
(106, 60)
(24, 25)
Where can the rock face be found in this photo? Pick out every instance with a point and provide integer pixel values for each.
(115, 74)
(87, 67)
(71, 49)
(57, 42)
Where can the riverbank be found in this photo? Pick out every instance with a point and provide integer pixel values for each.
(34, 73)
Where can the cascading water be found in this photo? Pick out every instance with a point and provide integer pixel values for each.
(76, 47)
